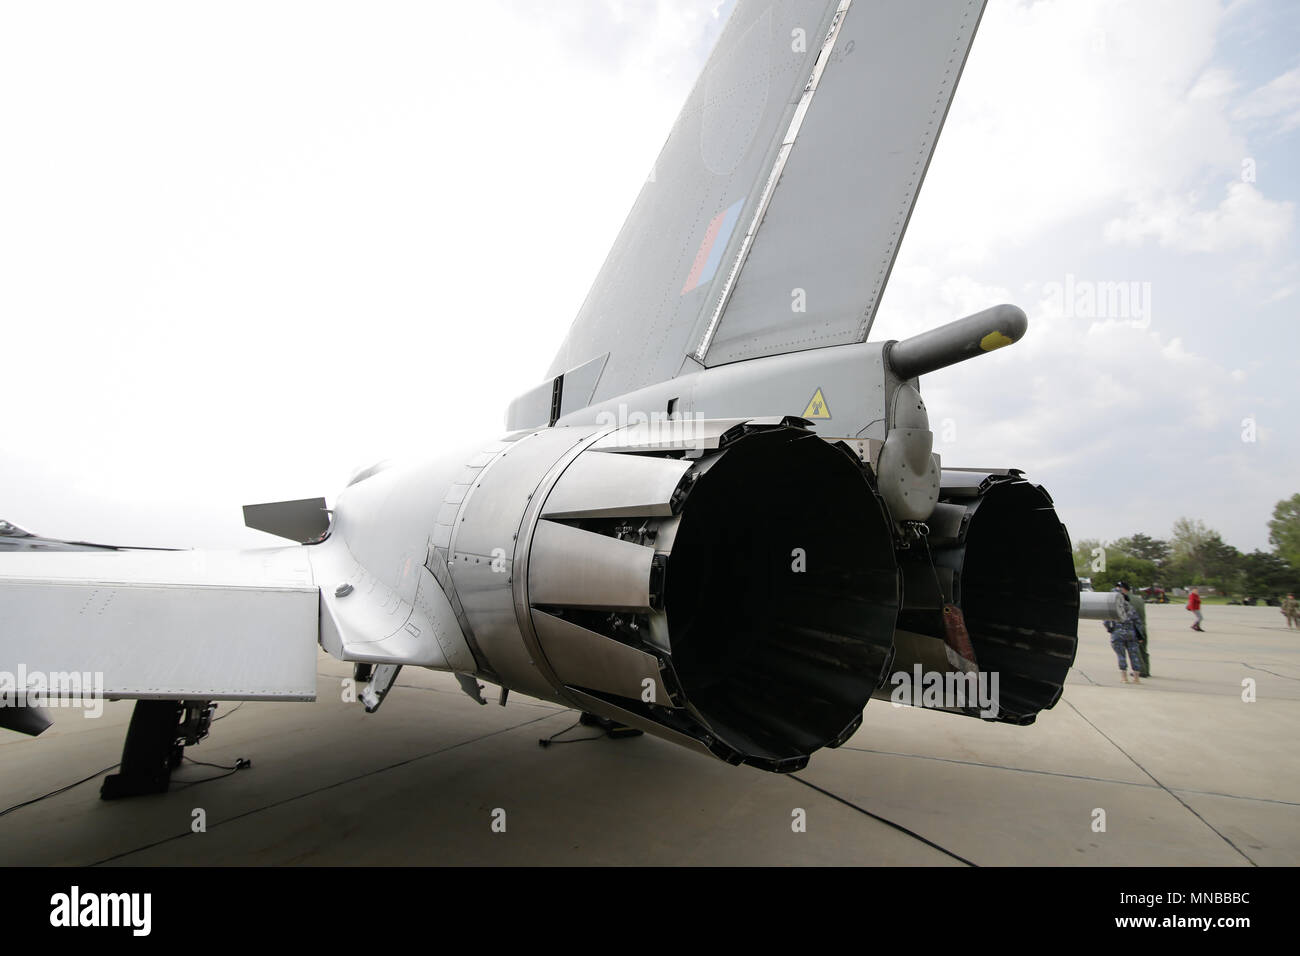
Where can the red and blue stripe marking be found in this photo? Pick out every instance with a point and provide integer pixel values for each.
(715, 241)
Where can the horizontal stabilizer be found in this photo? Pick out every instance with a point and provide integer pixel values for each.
(305, 520)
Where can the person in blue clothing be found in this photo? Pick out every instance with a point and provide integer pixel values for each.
(1124, 637)
(1139, 605)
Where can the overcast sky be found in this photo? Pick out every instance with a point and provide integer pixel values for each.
(248, 247)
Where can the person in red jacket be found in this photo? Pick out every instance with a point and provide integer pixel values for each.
(1194, 605)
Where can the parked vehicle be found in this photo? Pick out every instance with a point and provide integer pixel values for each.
(1155, 594)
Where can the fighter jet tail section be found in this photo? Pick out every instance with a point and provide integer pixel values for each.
(657, 541)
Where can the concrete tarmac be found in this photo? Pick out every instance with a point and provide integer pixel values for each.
(1186, 772)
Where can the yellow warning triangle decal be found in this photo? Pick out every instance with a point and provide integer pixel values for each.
(817, 407)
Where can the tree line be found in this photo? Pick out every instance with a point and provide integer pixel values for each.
(1196, 555)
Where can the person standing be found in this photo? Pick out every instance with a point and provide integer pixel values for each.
(1140, 606)
(1291, 611)
(1123, 639)
(1194, 605)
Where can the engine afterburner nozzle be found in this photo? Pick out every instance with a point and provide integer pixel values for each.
(742, 599)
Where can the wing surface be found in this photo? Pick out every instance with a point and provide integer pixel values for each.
(152, 624)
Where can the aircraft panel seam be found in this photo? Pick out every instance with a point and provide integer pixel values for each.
(792, 133)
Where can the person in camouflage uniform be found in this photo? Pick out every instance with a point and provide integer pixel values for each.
(1291, 611)
(1124, 638)
(1139, 605)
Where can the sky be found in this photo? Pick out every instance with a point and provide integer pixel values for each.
(248, 248)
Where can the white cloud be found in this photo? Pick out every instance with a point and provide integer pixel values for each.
(1214, 85)
(1244, 218)
(1070, 110)
(1119, 423)
(1277, 100)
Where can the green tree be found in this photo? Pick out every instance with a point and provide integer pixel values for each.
(1223, 565)
(1284, 530)
(1144, 547)
(1193, 545)
(1201, 556)
(1138, 572)
(1268, 576)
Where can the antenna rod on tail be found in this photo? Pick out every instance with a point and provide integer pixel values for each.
(957, 341)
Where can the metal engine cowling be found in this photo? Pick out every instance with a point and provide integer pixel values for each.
(728, 585)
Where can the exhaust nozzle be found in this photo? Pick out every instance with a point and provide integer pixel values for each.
(742, 601)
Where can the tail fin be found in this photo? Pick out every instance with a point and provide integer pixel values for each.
(773, 215)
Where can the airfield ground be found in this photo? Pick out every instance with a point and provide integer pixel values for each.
(1187, 772)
